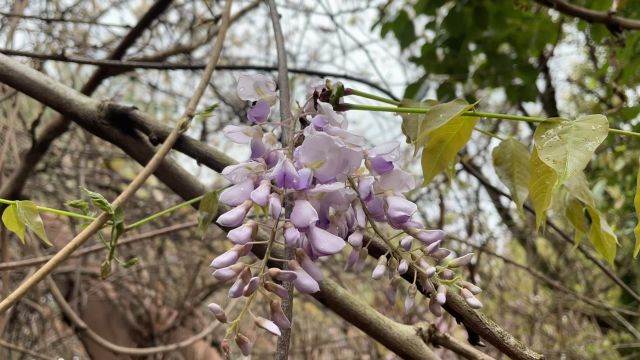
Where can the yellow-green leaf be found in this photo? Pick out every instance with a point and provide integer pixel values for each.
(542, 186)
(511, 159)
(578, 187)
(208, 209)
(27, 212)
(411, 122)
(443, 145)
(12, 222)
(567, 146)
(604, 240)
(636, 230)
(575, 213)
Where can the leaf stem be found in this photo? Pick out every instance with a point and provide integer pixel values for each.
(53, 211)
(163, 212)
(349, 91)
(530, 119)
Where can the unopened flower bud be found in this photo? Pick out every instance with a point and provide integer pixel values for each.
(218, 312)
(441, 296)
(278, 316)
(226, 349)
(474, 289)
(471, 299)
(440, 254)
(260, 195)
(434, 307)
(291, 236)
(227, 258)
(235, 216)
(243, 234)
(403, 267)
(282, 275)
(275, 206)
(392, 267)
(251, 286)
(308, 265)
(381, 267)
(236, 194)
(268, 325)
(447, 274)
(460, 261)
(406, 242)
(279, 290)
(429, 236)
(244, 344)
(228, 272)
(355, 239)
(410, 299)
(352, 260)
(303, 282)
(236, 290)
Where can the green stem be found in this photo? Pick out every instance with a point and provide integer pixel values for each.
(530, 119)
(163, 212)
(53, 211)
(363, 94)
(489, 134)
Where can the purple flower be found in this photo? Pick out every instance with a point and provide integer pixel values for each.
(381, 157)
(278, 316)
(268, 325)
(235, 291)
(240, 172)
(245, 345)
(228, 272)
(381, 267)
(258, 148)
(441, 296)
(365, 187)
(428, 236)
(282, 275)
(471, 287)
(285, 174)
(303, 282)
(328, 159)
(276, 289)
(399, 210)
(243, 234)
(323, 242)
(406, 242)
(397, 181)
(237, 194)
(291, 235)
(460, 261)
(251, 286)
(355, 239)
(308, 265)
(275, 206)
(305, 177)
(227, 258)
(256, 87)
(473, 302)
(218, 312)
(235, 216)
(403, 267)
(303, 215)
(259, 112)
(260, 195)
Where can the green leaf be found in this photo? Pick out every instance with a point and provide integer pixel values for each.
(575, 213)
(28, 214)
(439, 115)
(130, 262)
(13, 223)
(567, 146)
(208, 111)
(99, 201)
(208, 209)
(443, 145)
(511, 159)
(411, 122)
(117, 228)
(542, 186)
(636, 203)
(81, 205)
(578, 187)
(604, 240)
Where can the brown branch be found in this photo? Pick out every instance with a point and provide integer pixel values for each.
(438, 338)
(119, 66)
(609, 19)
(12, 265)
(284, 340)
(62, 19)
(118, 349)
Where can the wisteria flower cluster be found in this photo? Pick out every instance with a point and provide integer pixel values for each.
(338, 192)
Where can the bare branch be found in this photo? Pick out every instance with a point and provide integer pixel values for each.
(602, 17)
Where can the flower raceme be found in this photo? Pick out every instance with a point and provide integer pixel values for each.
(336, 190)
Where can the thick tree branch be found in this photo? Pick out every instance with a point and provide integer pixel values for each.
(607, 18)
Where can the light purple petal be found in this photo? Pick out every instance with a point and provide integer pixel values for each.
(303, 215)
(255, 87)
(275, 206)
(259, 112)
(399, 209)
(323, 242)
(237, 194)
(278, 316)
(243, 234)
(304, 282)
(260, 195)
(308, 265)
(268, 325)
(235, 216)
(355, 239)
